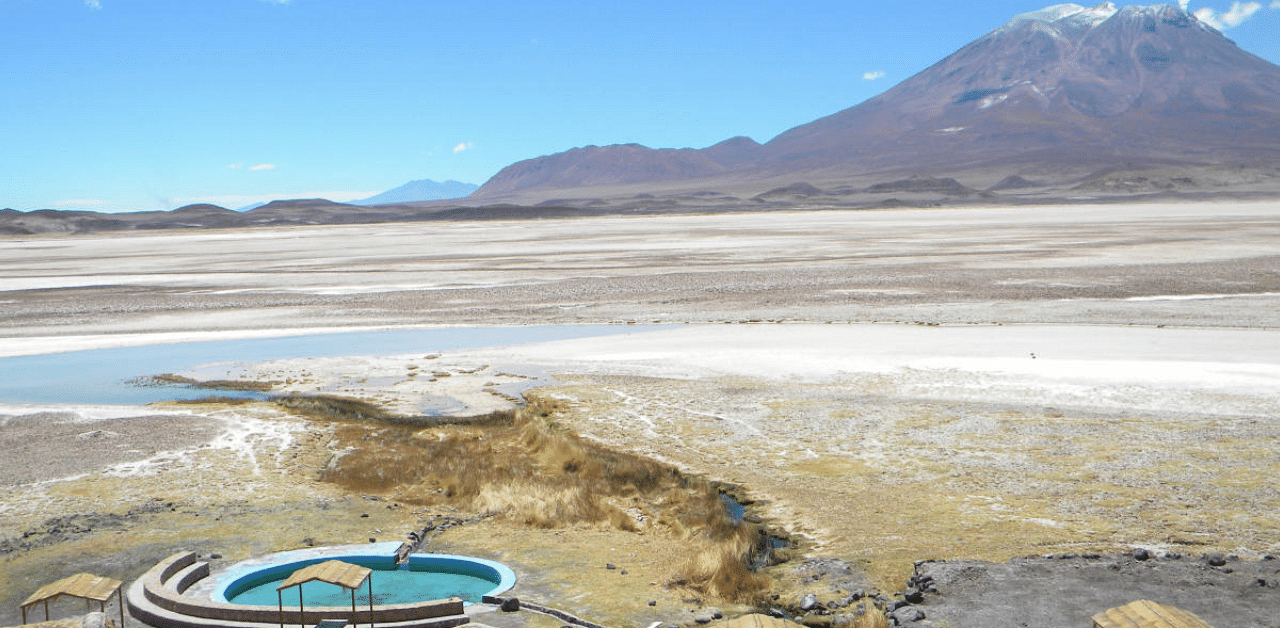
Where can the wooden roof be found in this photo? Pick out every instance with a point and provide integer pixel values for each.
(82, 585)
(332, 571)
(1148, 614)
(756, 620)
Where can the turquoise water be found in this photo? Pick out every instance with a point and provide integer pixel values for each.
(400, 586)
(106, 376)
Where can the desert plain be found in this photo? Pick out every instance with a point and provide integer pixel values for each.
(880, 387)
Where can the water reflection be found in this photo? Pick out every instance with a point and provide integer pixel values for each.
(111, 376)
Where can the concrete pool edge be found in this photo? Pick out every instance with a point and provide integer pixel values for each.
(177, 593)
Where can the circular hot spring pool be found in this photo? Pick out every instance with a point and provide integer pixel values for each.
(425, 577)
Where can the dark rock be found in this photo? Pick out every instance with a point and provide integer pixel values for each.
(510, 605)
(908, 614)
(706, 615)
(1215, 560)
(653, 602)
(610, 566)
(215, 556)
(1141, 554)
(914, 596)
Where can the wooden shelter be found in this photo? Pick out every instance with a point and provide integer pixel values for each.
(1147, 614)
(345, 575)
(82, 585)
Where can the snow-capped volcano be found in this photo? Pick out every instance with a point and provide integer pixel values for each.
(1066, 84)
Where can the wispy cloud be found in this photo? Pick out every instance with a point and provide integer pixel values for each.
(263, 167)
(873, 75)
(235, 166)
(1275, 4)
(463, 146)
(1231, 18)
(93, 4)
(277, 1)
(1185, 3)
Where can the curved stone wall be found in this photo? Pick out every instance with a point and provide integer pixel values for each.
(157, 598)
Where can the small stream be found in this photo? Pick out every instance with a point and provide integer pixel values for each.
(764, 552)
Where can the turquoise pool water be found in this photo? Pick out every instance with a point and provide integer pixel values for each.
(399, 586)
(426, 577)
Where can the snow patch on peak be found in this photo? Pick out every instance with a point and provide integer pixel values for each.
(1069, 12)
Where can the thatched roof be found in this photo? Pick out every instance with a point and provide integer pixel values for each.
(81, 585)
(1147, 614)
(336, 572)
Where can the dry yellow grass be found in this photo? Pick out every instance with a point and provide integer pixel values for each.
(525, 469)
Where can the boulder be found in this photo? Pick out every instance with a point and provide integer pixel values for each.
(908, 614)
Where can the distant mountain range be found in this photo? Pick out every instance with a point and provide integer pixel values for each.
(420, 190)
(1066, 104)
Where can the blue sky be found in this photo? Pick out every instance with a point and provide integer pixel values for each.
(117, 105)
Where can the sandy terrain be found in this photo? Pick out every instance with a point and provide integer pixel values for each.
(970, 383)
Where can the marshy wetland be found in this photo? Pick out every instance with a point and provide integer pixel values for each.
(877, 387)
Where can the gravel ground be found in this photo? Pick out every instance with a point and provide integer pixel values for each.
(55, 444)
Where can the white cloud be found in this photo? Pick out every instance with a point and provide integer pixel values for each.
(463, 146)
(1235, 16)
(93, 4)
(1275, 4)
(263, 167)
(1184, 3)
(873, 75)
(235, 166)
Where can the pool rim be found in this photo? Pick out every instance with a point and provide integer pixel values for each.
(378, 553)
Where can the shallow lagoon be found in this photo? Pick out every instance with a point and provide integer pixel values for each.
(108, 376)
